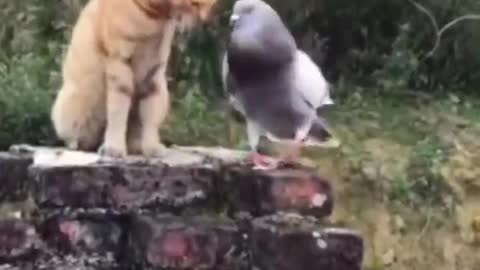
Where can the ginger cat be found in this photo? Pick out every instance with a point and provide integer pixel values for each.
(114, 96)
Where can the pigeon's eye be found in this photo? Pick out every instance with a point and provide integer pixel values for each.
(246, 9)
(249, 9)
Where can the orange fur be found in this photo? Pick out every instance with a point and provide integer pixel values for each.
(114, 91)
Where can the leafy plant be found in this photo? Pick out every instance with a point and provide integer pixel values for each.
(370, 44)
(422, 185)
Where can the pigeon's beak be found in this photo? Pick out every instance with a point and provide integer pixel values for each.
(233, 19)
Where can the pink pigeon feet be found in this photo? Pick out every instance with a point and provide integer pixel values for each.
(263, 162)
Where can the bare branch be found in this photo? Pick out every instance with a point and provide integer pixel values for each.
(428, 13)
(440, 31)
(459, 19)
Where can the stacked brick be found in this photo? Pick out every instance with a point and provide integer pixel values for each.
(195, 208)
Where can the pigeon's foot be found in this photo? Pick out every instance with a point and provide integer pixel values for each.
(295, 160)
(263, 162)
(291, 156)
(292, 153)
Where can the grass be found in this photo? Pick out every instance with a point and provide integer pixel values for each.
(412, 159)
(405, 157)
(422, 126)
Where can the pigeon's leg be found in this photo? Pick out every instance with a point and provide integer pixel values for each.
(260, 162)
(294, 153)
(294, 156)
(296, 147)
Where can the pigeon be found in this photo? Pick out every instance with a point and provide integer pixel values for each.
(276, 86)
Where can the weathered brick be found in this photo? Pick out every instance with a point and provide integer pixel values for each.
(83, 233)
(121, 186)
(68, 262)
(18, 241)
(286, 190)
(14, 181)
(186, 243)
(287, 242)
(79, 226)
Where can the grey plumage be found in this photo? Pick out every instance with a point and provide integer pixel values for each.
(275, 85)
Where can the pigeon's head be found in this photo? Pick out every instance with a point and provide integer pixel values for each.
(249, 12)
(259, 36)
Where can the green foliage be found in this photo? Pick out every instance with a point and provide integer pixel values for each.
(197, 119)
(25, 103)
(372, 44)
(422, 185)
(400, 65)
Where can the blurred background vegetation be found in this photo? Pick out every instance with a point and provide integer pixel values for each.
(408, 119)
(373, 44)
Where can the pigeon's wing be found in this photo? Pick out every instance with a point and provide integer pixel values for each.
(229, 86)
(310, 82)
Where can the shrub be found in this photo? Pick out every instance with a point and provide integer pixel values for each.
(371, 43)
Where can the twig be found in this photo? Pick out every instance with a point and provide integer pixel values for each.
(428, 13)
(424, 229)
(459, 19)
(440, 31)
